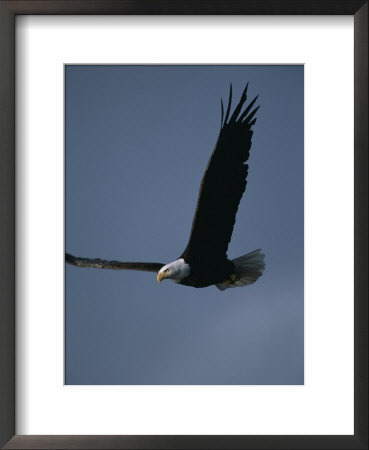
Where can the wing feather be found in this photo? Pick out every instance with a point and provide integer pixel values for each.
(247, 110)
(238, 108)
(222, 113)
(222, 186)
(229, 104)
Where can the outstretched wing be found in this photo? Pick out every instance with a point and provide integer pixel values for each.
(223, 184)
(98, 263)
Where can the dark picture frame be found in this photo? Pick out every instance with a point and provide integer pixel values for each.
(8, 11)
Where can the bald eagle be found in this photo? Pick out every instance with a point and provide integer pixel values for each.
(204, 261)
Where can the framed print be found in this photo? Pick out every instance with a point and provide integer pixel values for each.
(281, 363)
(198, 353)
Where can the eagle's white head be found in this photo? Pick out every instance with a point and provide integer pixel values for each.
(176, 271)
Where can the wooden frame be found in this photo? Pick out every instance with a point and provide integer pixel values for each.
(8, 11)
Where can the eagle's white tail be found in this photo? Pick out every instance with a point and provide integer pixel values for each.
(248, 268)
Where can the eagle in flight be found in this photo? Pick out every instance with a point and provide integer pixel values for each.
(204, 261)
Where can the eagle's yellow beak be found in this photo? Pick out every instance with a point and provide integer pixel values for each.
(160, 277)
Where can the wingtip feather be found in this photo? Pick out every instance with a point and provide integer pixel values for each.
(229, 104)
(250, 116)
(222, 109)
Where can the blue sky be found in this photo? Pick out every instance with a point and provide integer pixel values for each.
(138, 139)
